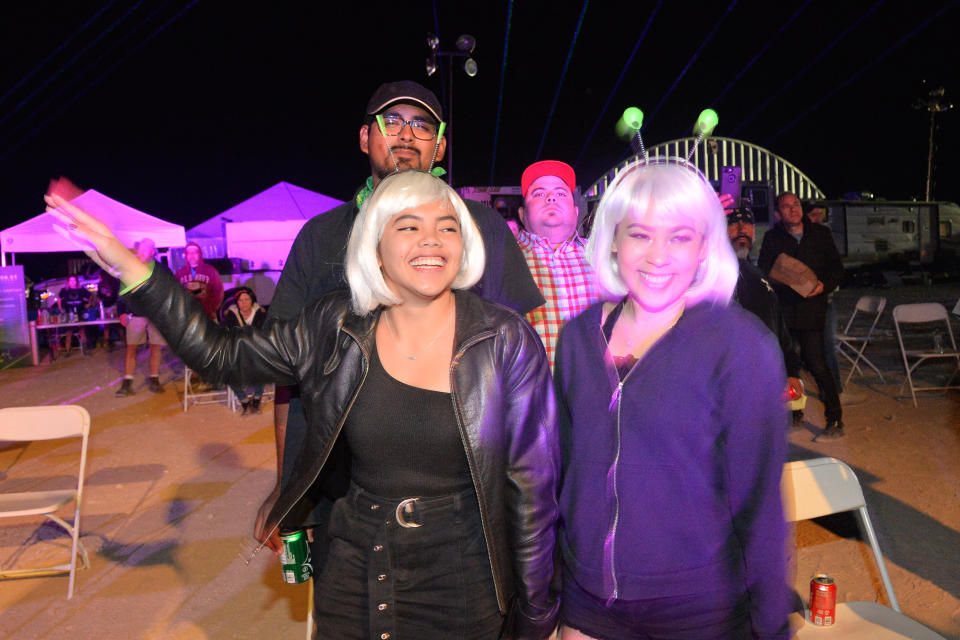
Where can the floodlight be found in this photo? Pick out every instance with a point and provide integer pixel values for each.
(466, 43)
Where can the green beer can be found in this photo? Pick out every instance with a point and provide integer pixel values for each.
(295, 556)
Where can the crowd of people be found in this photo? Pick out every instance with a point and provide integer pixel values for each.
(493, 436)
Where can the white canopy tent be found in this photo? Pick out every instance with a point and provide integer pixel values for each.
(37, 235)
(261, 229)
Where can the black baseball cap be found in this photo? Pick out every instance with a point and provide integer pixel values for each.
(740, 215)
(404, 91)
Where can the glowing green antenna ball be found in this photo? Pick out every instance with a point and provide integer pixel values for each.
(706, 123)
(628, 128)
(633, 117)
(704, 127)
(629, 123)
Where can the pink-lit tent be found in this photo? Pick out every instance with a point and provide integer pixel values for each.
(261, 229)
(282, 201)
(36, 235)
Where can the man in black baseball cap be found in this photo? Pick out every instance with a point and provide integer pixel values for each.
(741, 231)
(402, 130)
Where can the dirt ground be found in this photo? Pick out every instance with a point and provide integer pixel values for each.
(171, 496)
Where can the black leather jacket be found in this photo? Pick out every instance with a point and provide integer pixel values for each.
(503, 401)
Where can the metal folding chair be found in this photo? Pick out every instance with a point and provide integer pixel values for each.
(820, 487)
(193, 394)
(851, 343)
(933, 341)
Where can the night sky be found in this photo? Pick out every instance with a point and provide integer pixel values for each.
(184, 109)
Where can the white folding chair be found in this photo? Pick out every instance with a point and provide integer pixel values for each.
(852, 342)
(24, 424)
(932, 315)
(820, 487)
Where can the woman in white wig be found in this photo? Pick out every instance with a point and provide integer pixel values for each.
(673, 423)
(440, 403)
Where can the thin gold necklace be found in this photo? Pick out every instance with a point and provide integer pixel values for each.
(676, 319)
(396, 338)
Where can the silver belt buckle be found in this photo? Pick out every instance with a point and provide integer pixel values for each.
(406, 506)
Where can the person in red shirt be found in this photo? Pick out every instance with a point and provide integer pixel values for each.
(201, 280)
(553, 249)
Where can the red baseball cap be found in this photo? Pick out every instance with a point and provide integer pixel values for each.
(548, 168)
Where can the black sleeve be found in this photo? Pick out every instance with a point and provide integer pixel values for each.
(219, 354)
(506, 277)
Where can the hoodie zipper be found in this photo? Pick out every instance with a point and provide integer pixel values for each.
(611, 538)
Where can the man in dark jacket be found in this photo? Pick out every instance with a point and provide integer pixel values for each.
(811, 244)
(402, 129)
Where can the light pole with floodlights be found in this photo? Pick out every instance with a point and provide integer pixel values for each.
(464, 49)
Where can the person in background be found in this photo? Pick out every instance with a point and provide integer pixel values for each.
(501, 206)
(141, 331)
(673, 429)
(242, 313)
(812, 244)
(108, 290)
(73, 300)
(818, 215)
(553, 249)
(201, 279)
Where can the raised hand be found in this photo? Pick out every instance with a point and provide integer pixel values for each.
(92, 236)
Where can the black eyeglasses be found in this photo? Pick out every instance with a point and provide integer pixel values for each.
(392, 125)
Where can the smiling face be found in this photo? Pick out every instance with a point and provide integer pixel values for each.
(657, 256)
(420, 251)
(72, 282)
(549, 210)
(409, 151)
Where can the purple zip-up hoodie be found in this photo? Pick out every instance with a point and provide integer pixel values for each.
(672, 486)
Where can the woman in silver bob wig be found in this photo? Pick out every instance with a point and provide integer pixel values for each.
(431, 414)
(674, 429)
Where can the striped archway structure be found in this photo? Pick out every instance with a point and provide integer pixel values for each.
(759, 165)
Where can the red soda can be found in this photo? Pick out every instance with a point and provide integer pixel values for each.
(823, 600)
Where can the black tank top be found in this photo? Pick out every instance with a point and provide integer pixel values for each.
(404, 440)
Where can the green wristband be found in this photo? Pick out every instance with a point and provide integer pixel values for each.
(130, 287)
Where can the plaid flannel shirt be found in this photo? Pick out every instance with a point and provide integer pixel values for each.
(565, 279)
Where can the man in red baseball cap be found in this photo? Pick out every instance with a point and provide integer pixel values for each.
(553, 249)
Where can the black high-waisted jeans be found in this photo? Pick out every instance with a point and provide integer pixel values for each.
(382, 580)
